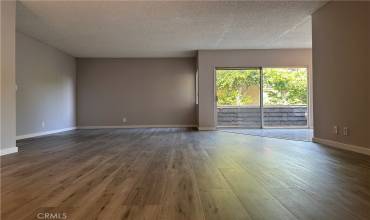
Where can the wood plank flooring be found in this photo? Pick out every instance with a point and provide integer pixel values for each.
(170, 174)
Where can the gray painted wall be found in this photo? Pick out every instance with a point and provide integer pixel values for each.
(46, 84)
(208, 60)
(7, 78)
(341, 64)
(144, 91)
(368, 70)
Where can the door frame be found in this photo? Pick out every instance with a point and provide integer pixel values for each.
(309, 93)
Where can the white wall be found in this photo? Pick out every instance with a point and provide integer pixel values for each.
(46, 80)
(7, 79)
(341, 61)
(208, 60)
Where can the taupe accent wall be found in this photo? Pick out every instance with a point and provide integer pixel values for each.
(46, 81)
(147, 92)
(341, 62)
(208, 60)
(7, 79)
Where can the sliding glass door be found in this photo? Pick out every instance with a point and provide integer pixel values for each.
(262, 97)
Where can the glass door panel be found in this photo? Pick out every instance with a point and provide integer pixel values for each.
(238, 94)
(285, 97)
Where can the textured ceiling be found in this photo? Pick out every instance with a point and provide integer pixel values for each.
(165, 29)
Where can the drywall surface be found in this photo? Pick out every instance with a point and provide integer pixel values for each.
(7, 79)
(341, 72)
(144, 91)
(46, 81)
(368, 68)
(209, 60)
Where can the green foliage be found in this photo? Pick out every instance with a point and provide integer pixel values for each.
(282, 86)
(285, 86)
(233, 84)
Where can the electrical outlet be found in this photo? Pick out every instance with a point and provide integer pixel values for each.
(345, 131)
(124, 120)
(335, 129)
(43, 124)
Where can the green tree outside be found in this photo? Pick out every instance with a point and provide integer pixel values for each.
(282, 86)
(232, 86)
(285, 86)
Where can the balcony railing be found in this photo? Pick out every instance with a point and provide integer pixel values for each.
(273, 116)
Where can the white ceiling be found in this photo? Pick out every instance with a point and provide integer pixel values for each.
(165, 29)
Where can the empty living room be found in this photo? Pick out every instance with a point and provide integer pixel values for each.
(185, 110)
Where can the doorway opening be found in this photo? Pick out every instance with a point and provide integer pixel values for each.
(264, 98)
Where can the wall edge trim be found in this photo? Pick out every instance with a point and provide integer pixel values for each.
(42, 133)
(9, 150)
(343, 146)
(200, 128)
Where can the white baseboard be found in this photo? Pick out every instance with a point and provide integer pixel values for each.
(19, 137)
(9, 150)
(207, 128)
(137, 126)
(349, 147)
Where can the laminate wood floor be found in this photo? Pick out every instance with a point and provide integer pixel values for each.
(170, 174)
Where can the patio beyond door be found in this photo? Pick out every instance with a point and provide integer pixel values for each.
(262, 97)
